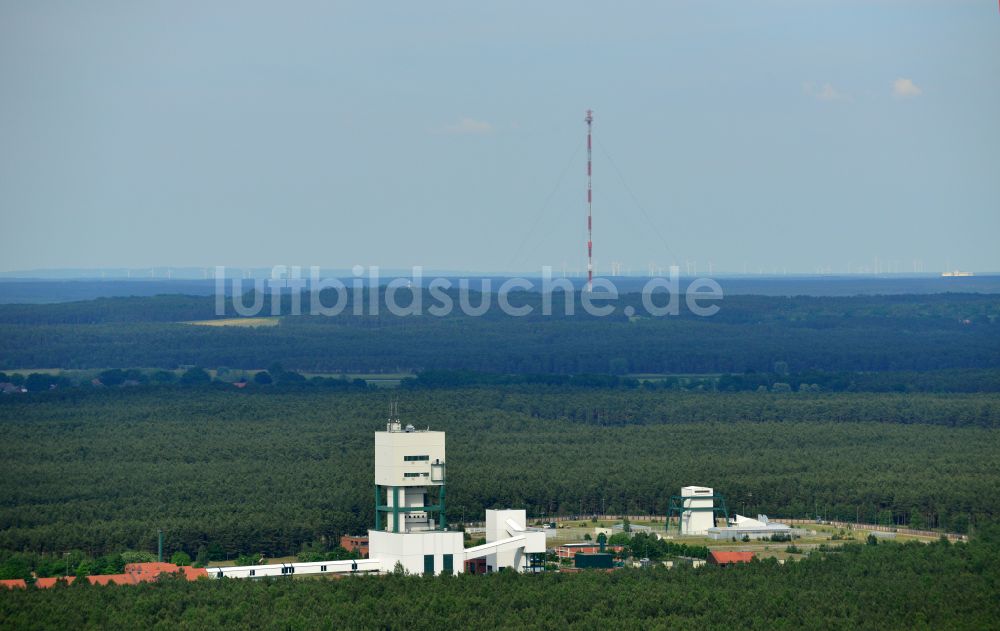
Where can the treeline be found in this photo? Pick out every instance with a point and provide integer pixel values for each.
(919, 310)
(191, 377)
(964, 380)
(277, 470)
(649, 546)
(955, 380)
(886, 586)
(750, 333)
(32, 565)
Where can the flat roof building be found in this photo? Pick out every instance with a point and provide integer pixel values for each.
(569, 550)
(740, 526)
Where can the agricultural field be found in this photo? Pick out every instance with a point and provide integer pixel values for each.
(238, 322)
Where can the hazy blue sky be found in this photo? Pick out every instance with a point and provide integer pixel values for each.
(794, 134)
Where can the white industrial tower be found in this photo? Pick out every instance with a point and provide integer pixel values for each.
(411, 532)
(409, 478)
(410, 524)
(698, 515)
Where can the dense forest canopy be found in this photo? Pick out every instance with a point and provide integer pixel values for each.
(885, 586)
(865, 333)
(272, 470)
(881, 409)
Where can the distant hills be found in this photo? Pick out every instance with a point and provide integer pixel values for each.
(51, 290)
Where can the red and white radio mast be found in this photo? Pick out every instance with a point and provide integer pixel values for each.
(590, 234)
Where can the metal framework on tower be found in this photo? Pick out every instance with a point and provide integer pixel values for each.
(682, 504)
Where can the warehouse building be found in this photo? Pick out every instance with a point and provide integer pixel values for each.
(740, 527)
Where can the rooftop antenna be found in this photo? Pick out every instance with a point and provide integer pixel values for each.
(393, 424)
(590, 242)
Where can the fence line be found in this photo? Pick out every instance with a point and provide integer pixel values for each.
(952, 536)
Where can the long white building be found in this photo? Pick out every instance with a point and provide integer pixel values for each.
(760, 528)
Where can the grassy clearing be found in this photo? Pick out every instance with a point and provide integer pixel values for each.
(817, 534)
(237, 322)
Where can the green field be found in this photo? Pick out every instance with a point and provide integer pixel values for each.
(237, 322)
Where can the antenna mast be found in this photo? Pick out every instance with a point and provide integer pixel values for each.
(393, 424)
(590, 233)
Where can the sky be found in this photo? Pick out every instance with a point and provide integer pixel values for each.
(782, 136)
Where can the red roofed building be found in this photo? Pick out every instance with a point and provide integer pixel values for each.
(13, 583)
(194, 573)
(45, 583)
(718, 557)
(145, 572)
(134, 574)
(353, 542)
(109, 579)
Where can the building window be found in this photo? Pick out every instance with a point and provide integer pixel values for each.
(449, 564)
(415, 458)
(322, 568)
(428, 564)
(253, 572)
(414, 475)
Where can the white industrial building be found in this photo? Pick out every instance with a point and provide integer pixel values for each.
(740, 526)
(695, 509)
(410, 525)
(698, 503)
(409, 473)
